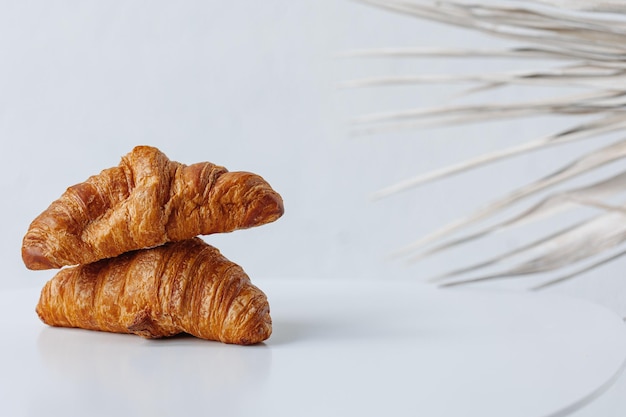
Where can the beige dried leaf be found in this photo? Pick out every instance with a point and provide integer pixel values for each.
(589, 49)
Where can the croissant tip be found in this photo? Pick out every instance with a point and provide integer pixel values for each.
(265, 208)
(261, 332)
(35, 259)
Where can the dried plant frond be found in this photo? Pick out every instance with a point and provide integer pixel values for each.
(589, 195)
(581, 271)
(588, 239)
(586, 41)
(581, 166)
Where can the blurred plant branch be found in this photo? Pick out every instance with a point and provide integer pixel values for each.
(587, 40)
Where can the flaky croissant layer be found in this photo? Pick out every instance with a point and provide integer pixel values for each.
(144, 202)
(187, 286)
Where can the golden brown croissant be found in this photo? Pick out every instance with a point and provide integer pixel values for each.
(144, 202)
(186, 286)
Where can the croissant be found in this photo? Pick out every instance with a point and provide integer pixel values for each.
(185, 286)
(144, 202)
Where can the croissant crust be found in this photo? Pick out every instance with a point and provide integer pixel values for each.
(144, 202)
(179, 287)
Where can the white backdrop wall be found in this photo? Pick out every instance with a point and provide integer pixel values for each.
(252, 86)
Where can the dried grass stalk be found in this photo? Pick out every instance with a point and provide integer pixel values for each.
(587, 42)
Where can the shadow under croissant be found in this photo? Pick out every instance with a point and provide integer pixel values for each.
(129, 375)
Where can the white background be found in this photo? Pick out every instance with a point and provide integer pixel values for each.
(253, 86)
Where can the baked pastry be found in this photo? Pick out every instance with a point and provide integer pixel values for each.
(186, 286)
(144, 202)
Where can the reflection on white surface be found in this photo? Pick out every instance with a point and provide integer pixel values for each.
(146, 377)
(338, 348)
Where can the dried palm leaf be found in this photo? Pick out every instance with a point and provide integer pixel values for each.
(590, 195)
(589, 49)
(561, 249)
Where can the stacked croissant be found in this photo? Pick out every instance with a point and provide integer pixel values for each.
(139, 267)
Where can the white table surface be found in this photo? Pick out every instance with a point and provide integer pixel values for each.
(338, 348)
